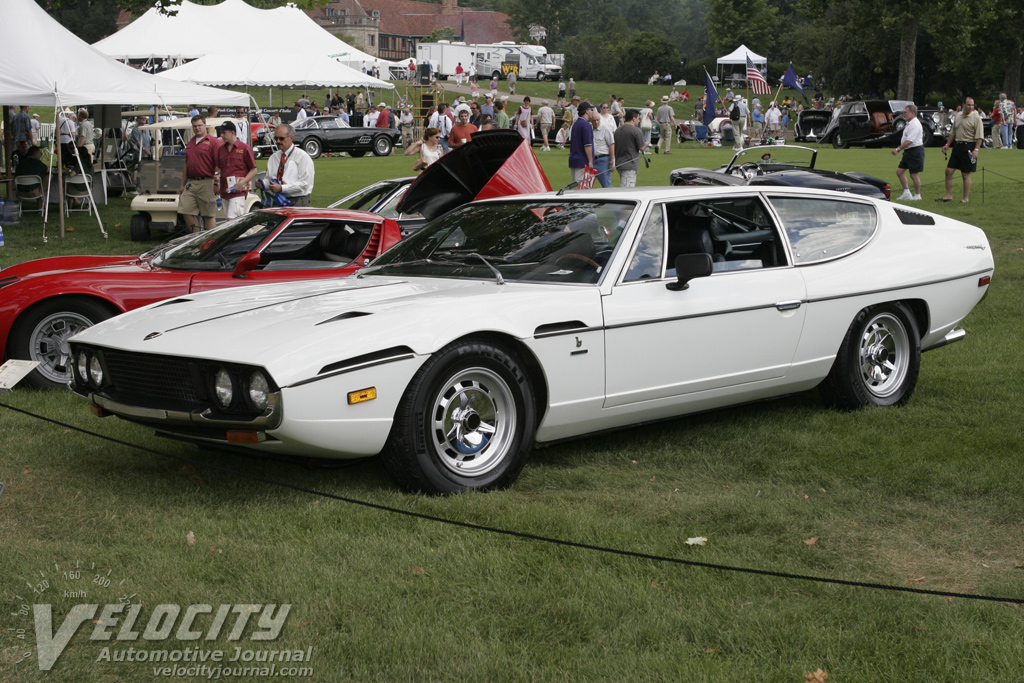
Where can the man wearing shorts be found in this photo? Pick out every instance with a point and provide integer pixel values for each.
(912, 146)
(965, 137)
(198, 194)
(237, 167)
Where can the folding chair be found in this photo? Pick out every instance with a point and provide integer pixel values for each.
(78, 188)
(29, 188)
(700, 136)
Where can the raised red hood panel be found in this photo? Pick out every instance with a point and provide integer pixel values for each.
(520, 174)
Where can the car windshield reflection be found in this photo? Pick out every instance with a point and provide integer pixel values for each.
(529, 241)
(220, 248)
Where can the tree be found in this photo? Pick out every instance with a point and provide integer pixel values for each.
(753, 23)
(444, 33)
(641, 53)
(90, 20)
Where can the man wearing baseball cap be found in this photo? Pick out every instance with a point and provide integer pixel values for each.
(237, 168)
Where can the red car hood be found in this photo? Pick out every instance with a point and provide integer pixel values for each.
(495, 163)
(63, 264)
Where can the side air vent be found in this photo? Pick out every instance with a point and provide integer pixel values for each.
(366, 360)
(348, 315)
(564, 327)
(913, 218)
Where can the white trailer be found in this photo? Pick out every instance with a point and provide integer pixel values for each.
(528, 61)
(445, 56)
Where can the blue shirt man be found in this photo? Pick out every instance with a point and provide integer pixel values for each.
(581, 142)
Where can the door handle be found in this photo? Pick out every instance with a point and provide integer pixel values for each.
(788, 305)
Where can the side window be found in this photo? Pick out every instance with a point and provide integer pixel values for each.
(329, 123)
(823, 229)
(298, 240)
(736, 232)
(650, 252)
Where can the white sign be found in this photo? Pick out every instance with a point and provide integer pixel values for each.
(13, 371)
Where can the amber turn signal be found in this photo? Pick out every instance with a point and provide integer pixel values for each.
(362, 395)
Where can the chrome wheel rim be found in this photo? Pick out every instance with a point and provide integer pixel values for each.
(884, 355)
(49, 344)
(382, 147)
(472, 422)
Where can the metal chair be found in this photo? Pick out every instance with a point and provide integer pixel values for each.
(78, 188)
(29, 188)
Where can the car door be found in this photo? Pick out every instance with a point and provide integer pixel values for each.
(739, 326)
(854, 122)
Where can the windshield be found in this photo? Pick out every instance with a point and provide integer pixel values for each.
(220, 248)
(529, 241)
(366, 198)
(778, 155)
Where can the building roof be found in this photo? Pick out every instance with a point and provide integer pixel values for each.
(417, 19)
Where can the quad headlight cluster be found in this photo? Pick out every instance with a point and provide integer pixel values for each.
(89, 370)
(229, 388)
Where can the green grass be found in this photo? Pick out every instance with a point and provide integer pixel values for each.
(924, 496)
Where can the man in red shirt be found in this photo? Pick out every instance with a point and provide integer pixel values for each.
(462, 132)
(383, 120)
(198, 195)
(237, 167)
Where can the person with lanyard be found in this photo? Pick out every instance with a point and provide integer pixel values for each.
(237, 167)
(912, 146)
(290, 168)
(965, 137)
(198, 195)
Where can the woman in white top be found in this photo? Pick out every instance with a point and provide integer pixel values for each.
(429, 149)
(524, 120)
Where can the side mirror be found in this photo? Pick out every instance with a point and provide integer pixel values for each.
(689, 266)
(246, 263)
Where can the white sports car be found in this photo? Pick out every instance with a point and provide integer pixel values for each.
(518, 321)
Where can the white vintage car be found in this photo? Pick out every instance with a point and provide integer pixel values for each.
(518, 321)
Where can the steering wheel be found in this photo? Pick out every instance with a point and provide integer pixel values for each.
(578, 257)
(750, 169)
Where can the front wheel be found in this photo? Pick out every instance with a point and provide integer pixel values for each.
(312, 147)
(466, 421)
(42, 334)
(839, 143)
(382, 146)
(138, 228)
(878, 361)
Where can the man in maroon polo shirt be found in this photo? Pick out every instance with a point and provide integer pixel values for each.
(198, 194)
(237, 167)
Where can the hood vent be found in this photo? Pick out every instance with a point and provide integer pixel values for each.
(348, 315)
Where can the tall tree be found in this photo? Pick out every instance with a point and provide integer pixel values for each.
(753, 23)
(90, 20)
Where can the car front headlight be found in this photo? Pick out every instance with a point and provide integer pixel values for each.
(82, 365)
(259, 390)
(96, 371)
(223, 388)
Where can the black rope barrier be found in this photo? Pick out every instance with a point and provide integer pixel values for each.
(519, 534)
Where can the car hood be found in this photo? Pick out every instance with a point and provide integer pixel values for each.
(494, 163)
(65, 264)
(295, 329)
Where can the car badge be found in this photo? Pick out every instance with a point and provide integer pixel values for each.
(151, 335)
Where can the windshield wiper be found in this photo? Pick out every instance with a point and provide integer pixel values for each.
(497, 273)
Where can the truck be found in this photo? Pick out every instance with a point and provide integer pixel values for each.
(528, 61)
(444, 56)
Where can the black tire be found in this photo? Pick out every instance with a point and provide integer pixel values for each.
(41, 334)
(382, 146)
(357, 153)
(541, 76)
(496, 74)
(138, 228)
(313, 147)
(838, 142)
(467, 421)
(878, 362)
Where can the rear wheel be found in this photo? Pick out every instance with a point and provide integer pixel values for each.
(878, 361)
(496, 74)
(381, 146)
(42, 333)
(138, 228)
(839, 142)
(312, 147)
(466, 421)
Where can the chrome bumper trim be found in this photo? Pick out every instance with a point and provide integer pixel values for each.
(269, 419)
(954, 336)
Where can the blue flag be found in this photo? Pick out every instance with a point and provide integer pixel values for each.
(789, 80)
(711, 100)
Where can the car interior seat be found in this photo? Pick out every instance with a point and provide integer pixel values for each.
(342, 243)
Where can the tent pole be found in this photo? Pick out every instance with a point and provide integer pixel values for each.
(60, 166)
(8, 137)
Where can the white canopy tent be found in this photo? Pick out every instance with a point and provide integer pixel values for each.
(69, 72)
(275, 71)
(739, 57)
(197, 30)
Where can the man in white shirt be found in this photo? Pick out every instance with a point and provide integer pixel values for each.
(440, 120)
(546, 117)
(370, 121)
(300, 113)
(912, 146)
(290, 170)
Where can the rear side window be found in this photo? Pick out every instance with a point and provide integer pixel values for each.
(824, 229)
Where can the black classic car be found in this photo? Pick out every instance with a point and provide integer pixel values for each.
(872, 123)
(319, 134)
(789, 165)
(811, 124)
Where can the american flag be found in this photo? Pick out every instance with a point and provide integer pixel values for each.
(756, 80)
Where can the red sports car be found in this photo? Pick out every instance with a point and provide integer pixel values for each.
(45, 302)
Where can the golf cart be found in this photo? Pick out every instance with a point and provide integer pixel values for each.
(159, 178)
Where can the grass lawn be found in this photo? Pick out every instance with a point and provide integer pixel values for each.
(925, 496)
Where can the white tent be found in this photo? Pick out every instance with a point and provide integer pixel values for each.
(42, 64)
(739, 56)
(275, 71)
(198, 30)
